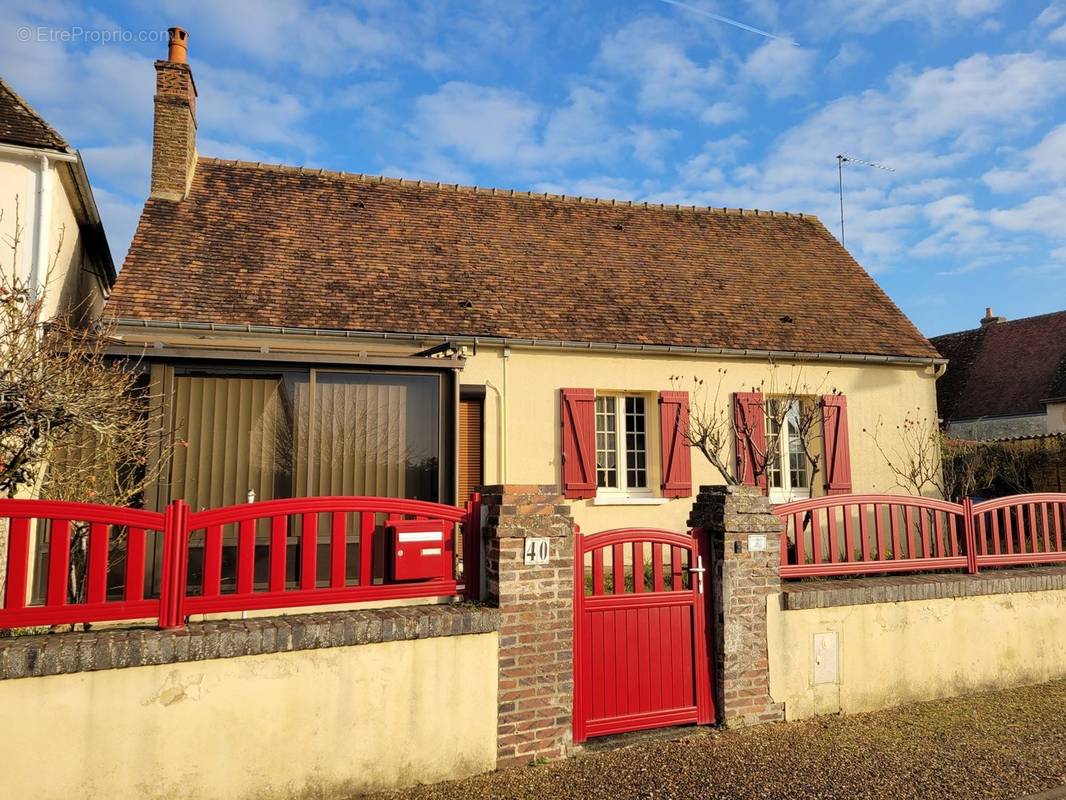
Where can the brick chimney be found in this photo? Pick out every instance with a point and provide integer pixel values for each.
(174, 132)
(990, 319)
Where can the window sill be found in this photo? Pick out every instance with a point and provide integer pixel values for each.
(623, 500)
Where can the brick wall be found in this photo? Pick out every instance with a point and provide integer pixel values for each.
(741, 580)
(174, 131)
(536, 620)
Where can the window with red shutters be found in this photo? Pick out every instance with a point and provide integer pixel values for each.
(835, 443)
(578, 442)
(674, 444)
(749, 419)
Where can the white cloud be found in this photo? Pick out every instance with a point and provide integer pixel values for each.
(781, 68)
(869, 16)
(651, 52)
(1043, 214)
(1058, 36)
(315, 38)
(1053, 14)
(246, 107)
(579, 131)
(479, 123)
(722, 112)
(128, 166)
(649, 143)
(1045, 162)
(929, 125)
(847, 57)
(501, 127)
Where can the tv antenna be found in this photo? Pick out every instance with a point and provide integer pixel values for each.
(841, 160)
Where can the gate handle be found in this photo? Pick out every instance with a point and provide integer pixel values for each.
(698, 570)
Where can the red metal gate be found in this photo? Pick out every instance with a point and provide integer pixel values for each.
(641, 653)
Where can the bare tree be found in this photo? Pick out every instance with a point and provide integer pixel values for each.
(922, 458)
(788, 402)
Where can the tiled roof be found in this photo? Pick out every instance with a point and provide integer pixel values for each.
(20, 124)
(284, 246)
(1003, 368)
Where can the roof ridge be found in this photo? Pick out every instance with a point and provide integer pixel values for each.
(63, 143)
(1000, 324)
(415, 183)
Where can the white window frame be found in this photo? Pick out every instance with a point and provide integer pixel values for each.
(786, 492)
(623, 493)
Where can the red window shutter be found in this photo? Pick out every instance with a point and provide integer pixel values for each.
(835, 440)
(674, 444)
(578, 442)
(749, 419)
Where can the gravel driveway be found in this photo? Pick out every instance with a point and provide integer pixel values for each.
(1005, 744)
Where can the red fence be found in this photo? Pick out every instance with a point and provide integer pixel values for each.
(870, 533)
(103, 563)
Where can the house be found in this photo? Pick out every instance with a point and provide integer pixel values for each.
(1005, 378)
(49, 225)
(314, 332)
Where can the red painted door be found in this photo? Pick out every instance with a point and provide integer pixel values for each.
(641, 652)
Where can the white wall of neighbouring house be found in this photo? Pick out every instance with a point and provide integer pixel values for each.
(58, 258)
(1056, 417)
(522, 414)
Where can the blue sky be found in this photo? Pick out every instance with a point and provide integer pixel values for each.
(634, 99)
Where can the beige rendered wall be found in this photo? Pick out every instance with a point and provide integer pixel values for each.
(522, 414)
(887, 654)
(327, 723)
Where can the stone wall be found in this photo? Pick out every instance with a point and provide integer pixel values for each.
(743, 582)
(536, 620)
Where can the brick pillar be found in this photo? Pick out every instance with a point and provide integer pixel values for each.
(742, 581)
(536, 620)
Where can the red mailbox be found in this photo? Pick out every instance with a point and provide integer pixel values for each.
(419, 550)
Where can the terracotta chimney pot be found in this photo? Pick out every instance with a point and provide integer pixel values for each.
(179, 45)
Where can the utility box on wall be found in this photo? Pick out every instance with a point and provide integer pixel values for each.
(417, 550)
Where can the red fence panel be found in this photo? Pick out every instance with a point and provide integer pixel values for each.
(103, 563)
(881, 533)
(899, 533)
(110, 540)
(1020, 529)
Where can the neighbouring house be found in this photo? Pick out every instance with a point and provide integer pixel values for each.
(50, 230)
(314, 332)
(1004, 379)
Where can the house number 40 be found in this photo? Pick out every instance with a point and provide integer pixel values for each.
(537, 551)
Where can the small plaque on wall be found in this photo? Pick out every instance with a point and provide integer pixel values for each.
(756, 542)
(537, 551)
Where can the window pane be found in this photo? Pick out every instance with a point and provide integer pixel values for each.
(606, 443)
(232, 435)
(636, 444)
(374, 434)
(799, 475)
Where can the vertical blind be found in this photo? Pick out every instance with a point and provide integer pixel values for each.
(304, 434)
(355, 442)
(231, 435)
